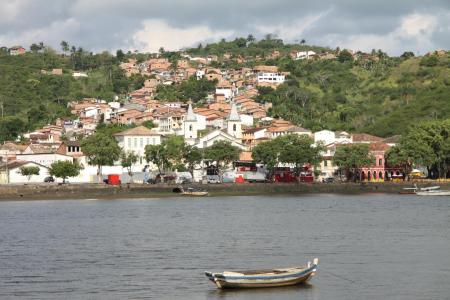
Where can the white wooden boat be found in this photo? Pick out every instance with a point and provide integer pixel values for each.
(264, 278)
(434, 193)
(193, 192)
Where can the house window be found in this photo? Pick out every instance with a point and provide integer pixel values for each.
(135, 142)
(129, 142)
(190, 127)
(380, 161)
(325, 163)
(234, 127)
(142, 142)
(148, 141)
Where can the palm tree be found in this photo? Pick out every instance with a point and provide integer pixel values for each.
(64, 46)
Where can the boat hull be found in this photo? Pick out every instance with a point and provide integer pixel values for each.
(224, 284)
(433, 193)
(264, 279)
(195, 194)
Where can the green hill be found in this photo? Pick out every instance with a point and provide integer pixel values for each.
(375, 94)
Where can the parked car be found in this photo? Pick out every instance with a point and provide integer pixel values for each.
(49, 179)
(213, 178)
(328, 180)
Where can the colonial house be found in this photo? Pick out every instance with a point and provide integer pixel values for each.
(135, 140)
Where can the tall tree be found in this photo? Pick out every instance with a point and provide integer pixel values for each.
(298, 150)
(101, 150)
(192, 157)
(64, 169)
(29, 171)
(127, 160)
(351, 158)
(64, 46)
(223, 153)
(267, 153)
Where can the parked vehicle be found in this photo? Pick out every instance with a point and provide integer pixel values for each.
(254, 176)
(213, 178)
(49, 179)
(328, 180)
(229, 177)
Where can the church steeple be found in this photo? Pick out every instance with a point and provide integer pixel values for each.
(234, 123)
(190, 125)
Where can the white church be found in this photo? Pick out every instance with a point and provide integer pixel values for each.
(231, 132)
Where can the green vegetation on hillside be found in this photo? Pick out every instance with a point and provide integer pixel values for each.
(378, 94)
(378, 97)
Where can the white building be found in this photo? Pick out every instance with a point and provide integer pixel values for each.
(135, 140)
(12, 174)
(45, 159)
(276, 78)
(199, 74)
(325, 136)
(79, 74)
(305, 55)
(247, 120)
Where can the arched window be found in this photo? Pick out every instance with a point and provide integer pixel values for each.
(380, 162)
(234, 127)
(374, 175)
(380, 175)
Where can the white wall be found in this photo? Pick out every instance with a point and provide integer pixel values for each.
(44, 159)
(246, 120)
(16, 177)
(225, 91)
(271, 77)
(325, 136)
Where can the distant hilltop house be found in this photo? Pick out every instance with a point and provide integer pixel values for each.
(79, 74)
(298, 55)
(17, 50)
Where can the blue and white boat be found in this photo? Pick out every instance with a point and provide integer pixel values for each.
(264, 278)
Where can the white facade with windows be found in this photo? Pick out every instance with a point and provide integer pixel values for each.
(276, 78)
(135, 140)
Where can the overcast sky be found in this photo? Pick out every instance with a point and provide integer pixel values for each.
(145, 25)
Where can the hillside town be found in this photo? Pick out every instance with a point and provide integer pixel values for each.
(229, 114)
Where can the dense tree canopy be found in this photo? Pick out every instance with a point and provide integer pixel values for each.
(350, 158)
(101, 150)
(64, 169)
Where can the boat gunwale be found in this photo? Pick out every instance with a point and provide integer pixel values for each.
(303, 272)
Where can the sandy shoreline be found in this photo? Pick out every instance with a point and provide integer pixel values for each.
(102, 191)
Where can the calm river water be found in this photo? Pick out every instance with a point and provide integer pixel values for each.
(369, 246)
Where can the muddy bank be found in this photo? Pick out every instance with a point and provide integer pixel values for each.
(102, 191)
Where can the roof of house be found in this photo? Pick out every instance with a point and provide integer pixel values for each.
(379, 147)
(364, 137)
(253, 130)
(40, 149)
(392, 139)
(298, 129)
(140, 130)
(19, 163)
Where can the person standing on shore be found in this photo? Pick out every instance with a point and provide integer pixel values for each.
(145, 170)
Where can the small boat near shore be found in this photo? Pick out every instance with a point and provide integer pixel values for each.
(264, 278)
(190, 191)
(433, 191)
